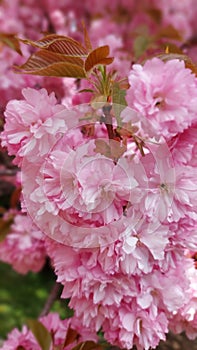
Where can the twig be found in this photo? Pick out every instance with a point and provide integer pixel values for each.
(108, 121)
(54, 294)
(8, 172)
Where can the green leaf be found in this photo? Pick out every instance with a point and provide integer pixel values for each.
(98, 101)
(11, 41)
(98, 57)
(59, 44)
(41, 334)
(48, 63)
(141, 44)
(119, 101)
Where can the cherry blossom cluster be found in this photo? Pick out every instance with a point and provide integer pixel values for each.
(111, 200)
(121, 228)
(23, 248)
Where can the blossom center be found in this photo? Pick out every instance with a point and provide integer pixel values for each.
(159, 102)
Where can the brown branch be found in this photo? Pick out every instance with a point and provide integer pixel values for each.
(54, 295)
(8, 172)
(108, 121)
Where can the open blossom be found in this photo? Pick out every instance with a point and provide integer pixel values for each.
(36, 118)
(165, 93)
(56, 326)
(171, 191)
(77, 196)
(23, 247)
(17, 339)
(91, 184)
(186, 318)
(184, 233)
(183, 147)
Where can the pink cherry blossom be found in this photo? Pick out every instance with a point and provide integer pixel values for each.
(103, 188)
(37, 117)
(183, 147)
(171, 191)
(183, 233)
(185, 319)
(23, 338)
(165, 94)
(23, 247)
(57, 327)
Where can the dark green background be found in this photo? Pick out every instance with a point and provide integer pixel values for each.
(23, 297)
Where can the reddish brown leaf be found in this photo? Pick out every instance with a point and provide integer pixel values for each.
(41, 333)
(155, 14)
(15, 198)
(48, 63)
(103, 148)
(5, 225)
(44, 42)
(124, 84)
(59, 44)
(88, 130)
(2, 210)
(88, 345)
(59, 69)
(106, 61)
(87, 41)
(71, 336)
(169, 32)
(98, 56)
(171, 48)
(42, 58)
(68, 47)
(11, 41)
(113, 150)
(127, 130)
(117, 149)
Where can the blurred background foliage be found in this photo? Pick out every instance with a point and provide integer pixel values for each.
(23, 297)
